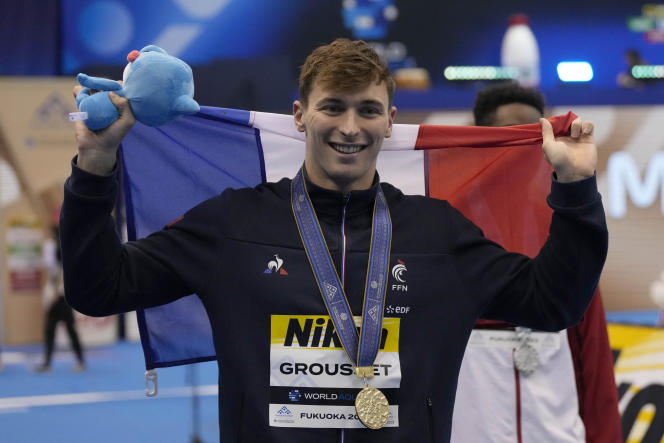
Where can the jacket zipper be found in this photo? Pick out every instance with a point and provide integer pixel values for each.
(343, 266)
(343, 240)
(240, 436)
(429, 404)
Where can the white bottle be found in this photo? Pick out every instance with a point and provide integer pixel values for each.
(519, 50)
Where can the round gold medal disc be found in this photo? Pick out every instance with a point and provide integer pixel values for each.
(372, 408)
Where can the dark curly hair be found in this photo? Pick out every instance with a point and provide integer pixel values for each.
(491, 98)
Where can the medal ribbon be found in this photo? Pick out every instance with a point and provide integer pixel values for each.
(362, 350)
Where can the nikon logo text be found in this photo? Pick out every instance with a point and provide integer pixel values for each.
(321, 334)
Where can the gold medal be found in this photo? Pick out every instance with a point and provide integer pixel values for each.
(372, 407)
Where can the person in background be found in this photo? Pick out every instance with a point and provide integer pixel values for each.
(571, 396)
(626, 79)
(58, 309)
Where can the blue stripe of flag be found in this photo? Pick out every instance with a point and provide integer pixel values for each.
(166, 171)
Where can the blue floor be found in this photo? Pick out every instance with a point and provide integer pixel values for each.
(104, 403)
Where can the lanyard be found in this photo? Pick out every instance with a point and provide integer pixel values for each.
(361, 350)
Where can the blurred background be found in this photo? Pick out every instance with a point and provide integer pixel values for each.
(603, 59)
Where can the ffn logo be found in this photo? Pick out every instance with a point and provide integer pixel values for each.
(399, 273)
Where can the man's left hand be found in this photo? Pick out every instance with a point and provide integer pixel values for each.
(573, 157)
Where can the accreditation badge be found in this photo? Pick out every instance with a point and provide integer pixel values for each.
(312, 383)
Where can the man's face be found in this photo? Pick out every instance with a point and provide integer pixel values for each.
(344, 133)
(515, 114)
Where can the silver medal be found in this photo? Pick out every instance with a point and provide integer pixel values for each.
(526, 358)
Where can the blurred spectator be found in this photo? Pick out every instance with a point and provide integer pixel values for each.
(626, 79)
(58, 309)
(508, 104)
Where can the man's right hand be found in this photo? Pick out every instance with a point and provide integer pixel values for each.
(97, 149)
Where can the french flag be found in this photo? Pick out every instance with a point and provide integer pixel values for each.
(496, 176)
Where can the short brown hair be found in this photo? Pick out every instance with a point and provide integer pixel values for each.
(344, 65)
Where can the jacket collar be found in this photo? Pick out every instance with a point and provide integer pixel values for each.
(328, 203)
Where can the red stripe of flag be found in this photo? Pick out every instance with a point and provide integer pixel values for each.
(437, 136)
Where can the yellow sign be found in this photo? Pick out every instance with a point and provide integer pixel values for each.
(317, 332)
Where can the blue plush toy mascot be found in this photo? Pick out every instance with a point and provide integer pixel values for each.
(159, 88)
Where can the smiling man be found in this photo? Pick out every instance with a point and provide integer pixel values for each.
(351, 115)
(353, 125)
(307, 355)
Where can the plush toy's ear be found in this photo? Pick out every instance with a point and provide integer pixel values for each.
(153, 48)
(103, 84)
(82, 95)
(101, 111)
(186, 105)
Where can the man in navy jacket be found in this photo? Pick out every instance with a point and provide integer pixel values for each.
(284, 375)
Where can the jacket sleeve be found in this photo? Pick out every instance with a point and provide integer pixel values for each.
(103, 276)
(595, 381)
(552, 290)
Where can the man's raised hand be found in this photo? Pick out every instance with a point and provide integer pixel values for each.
(573, 157)
(97, 149)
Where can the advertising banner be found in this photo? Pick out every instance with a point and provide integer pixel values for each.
(639, 370)
(37, 143)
